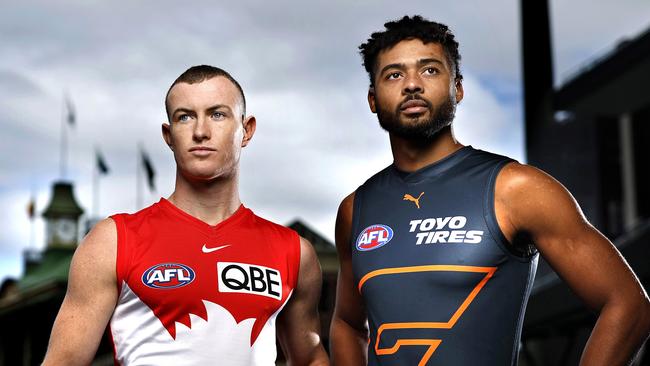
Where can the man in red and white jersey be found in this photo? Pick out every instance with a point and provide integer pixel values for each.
(197, 278)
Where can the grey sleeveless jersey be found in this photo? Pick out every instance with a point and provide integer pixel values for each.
(440, 283)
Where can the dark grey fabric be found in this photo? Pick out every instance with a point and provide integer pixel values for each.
(417, 275)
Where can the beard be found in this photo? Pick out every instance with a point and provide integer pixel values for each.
(409, 128)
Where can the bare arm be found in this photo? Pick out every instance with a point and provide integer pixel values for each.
(89, 301)
(349, 330)
(298, 323)
(530, 201)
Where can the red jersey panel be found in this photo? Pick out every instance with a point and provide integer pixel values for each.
(191, 293)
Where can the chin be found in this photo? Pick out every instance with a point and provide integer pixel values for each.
(414, 120)
(205, 173)
(205, 177)
(197, 173)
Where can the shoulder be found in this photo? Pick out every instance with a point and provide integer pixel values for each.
(516, 179)
(347, 205)
(309, 264)
(343, 228)
(307, 251)
(532, 198)
(97, 252)
(345, 212)
(103, 236)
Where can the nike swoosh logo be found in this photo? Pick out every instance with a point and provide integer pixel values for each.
(210, 250)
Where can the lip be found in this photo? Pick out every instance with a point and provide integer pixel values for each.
(201, 151)
(414, 106)
(413, 103)
(201, 148)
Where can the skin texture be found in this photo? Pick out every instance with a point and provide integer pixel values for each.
(349, 328)
(527, 202)
(398, 82)
(206, 114)
(298, 323)
(409, 75)
(89, 301)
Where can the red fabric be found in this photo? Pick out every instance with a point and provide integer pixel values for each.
(162, 233)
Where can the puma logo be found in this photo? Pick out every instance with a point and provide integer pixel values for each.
(408, 197)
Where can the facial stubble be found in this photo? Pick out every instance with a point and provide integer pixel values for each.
(425, 131)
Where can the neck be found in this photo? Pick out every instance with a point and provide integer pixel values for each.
(211, 201)
(410, 156)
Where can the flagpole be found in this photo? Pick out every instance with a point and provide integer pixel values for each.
(31, 234)
(64, 142)
(32, 210)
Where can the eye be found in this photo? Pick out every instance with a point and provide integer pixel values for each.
(217, 115)
(393, 75)
(184, 118)
(431, 71)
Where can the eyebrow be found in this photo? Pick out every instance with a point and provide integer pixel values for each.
(185, 110)
(214, 107)
(420, 62)
(219, 106)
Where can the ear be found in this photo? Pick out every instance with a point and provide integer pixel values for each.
(371, 99)
(249, 124)
(167, 135)
(459, 90)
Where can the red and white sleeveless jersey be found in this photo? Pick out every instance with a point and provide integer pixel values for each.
(195, 294)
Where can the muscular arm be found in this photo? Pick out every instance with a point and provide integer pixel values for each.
(349, 330)
(298, 323)
(89, 301)
(531, 202)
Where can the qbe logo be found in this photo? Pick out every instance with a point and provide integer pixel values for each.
(249, 279)
(168, 275)
(374, 236)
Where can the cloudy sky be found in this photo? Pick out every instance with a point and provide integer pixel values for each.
(298, 64)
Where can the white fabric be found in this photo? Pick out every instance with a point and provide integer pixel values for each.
(141, 339)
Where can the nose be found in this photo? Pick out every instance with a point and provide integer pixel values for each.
(413, 84)
(201, 130)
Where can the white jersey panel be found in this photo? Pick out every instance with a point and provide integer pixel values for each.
(141, 339)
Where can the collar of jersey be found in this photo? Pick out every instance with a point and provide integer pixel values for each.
(435, 169)
(169, 207)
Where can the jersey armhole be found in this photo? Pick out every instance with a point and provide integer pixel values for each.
(296, 252)
(489, 214)
(356, 212)
(121, 262)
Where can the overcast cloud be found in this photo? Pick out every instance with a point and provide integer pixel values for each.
(298, 64)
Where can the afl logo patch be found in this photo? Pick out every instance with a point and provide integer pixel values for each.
(168, 275)
(373, 237)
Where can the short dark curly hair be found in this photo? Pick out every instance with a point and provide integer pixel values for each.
(409, 28)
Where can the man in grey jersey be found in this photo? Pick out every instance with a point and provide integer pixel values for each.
(438, 251)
